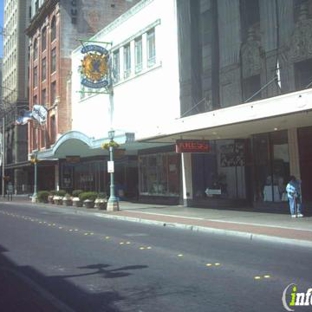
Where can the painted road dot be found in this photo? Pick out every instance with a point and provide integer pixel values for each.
(149, 247)
(107, 237)
(128, 243)
(267, 276)
(60, 227)
(217, 264)
(257, 277)
(180, 255)
(121, 243)
(209, 264)
(142, 248)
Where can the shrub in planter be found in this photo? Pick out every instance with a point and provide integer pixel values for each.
(75, 198)
(88, 195)
(88, 198)
(67, 200)
(76, 193)
(101, 201)
(58, 197)
(42, 196)
(50, 197)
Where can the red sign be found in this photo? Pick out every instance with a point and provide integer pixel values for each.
(192, 146)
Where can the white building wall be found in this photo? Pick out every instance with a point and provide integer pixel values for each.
(143, 100)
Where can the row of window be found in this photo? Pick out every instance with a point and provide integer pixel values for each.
(132, 58)
(44, 95)
(129, 59)
(44, 38)
(44, 68)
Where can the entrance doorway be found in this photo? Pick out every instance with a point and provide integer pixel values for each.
(271, 166)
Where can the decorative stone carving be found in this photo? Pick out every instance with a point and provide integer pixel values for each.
(300, 46)
(251, 56)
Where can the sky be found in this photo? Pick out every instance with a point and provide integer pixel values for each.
(1, 25)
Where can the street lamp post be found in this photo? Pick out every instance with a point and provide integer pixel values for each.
(112, 204)
(34, 160)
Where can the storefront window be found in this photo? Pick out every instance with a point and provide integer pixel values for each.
(87, 176)
(159, 174)
(221, 172)
(271, 160)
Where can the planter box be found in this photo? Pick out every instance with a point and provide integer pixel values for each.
(100, 204)
(77, 203)
(88, 203)
(67, 202)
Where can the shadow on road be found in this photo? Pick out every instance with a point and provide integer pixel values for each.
(23, 288)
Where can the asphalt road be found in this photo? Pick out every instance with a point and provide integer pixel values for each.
(96, 264)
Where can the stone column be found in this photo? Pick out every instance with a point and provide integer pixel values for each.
(293, 152)
(187, 184)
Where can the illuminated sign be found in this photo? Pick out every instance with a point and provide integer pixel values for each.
(192, 146)
(94, 67)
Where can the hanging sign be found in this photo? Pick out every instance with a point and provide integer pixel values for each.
(192, 146)
(110, 166)
(94, 69)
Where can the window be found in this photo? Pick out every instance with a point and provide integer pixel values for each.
(251, 86)
(36, 6)
(250, 16)
(53, 60)
(44, 97)
(116, 66)
(44, 69)
(303, 74)
(159, 174)
(44, 39)
(52, 130)
(35, 77)
(151, 48)
(271, 165)
(53, 29)
(35, 49)
(138, 54)
(127, 61)
(53, 92)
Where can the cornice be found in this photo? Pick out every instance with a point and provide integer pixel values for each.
(47, 7)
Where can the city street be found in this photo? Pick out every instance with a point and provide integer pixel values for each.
(92, 264)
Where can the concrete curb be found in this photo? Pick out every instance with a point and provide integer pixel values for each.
(244, 235)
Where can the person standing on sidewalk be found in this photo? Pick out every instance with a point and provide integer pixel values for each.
(293, 190)
(10, 190)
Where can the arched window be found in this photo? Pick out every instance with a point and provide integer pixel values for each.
(35, 49)
(53, 29)
(44, 38)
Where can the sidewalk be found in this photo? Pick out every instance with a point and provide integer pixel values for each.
(254, 225)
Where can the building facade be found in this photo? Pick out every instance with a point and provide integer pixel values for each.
(55, 28)
(14, 91)
(225, 116)
(245, 81)
(142, 45)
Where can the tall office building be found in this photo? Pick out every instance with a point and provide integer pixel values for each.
(14, 88)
